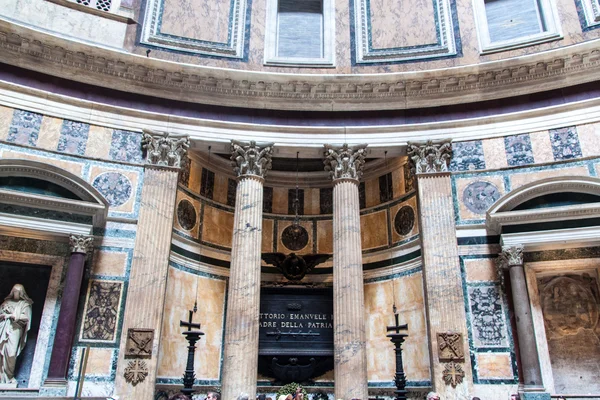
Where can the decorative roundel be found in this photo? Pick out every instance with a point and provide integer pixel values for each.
(479, 196)
(294, 237)
(404, 221)
(115, 187)
(186, 215)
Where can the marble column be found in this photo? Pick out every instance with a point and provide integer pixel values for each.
(511, 258)
(444, 297)
(67, 318)
(147, 281)
(345, 165)
(250, 161)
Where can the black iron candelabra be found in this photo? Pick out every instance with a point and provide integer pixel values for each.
(398, 338)
(192, 336)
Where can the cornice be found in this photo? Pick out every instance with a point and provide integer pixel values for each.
(39, 51)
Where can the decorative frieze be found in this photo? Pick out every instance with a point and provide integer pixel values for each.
(345, 162)
(429, 157)
(251, 158)
(81, 244)
(165, 149)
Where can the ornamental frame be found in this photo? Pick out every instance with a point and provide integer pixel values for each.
(328, 59)
(233, 47)
(548, 13)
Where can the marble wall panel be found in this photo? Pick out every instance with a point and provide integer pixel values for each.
(541, 147)
(467, 156)
(99, 362)
(220, 191)
(372, 192)
(565, 143)
(268, 226)
(231, 191)
(518, 180)
(311, 201)
(206, 20)
(393, 23)
(119, 187)
(481, 269)
(400, 227)
(49, 133)
(73, 137)
(183, 289)
(267, 199)
(101, 313)
(373, 230)
(325, 236)
(518, 150)
(6, 116)
(494, 365)
(379, 298)
(494, 152)
(207, 184)
(109, 262)
(24, 128)
(195, 177)
(280, 200)
(398, 184)
(126, 146)
(476, 195)
(487, 314)
(589, 138)
(308, 225)
(187, 215)
(99, 141)
(217, 227)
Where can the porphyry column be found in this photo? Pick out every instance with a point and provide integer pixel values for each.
(147, 282)
(349, 338)
(511, 258)
(250, 161)
(65, 328)
(447, 328)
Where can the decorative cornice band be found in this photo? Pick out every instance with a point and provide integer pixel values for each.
(42, 52)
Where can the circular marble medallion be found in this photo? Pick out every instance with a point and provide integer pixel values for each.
(294, 237)
(404, 221)
(479, 196)
(186, 215)
(115, 187)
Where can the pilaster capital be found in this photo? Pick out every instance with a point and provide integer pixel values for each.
(251, 158)
(81, 244)
(429, 157)
(345, 162)
(510, 256)
(165, 149)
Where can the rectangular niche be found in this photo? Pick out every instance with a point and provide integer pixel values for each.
(207, 27)
(40, 282)
(591, 12)
(415, 30)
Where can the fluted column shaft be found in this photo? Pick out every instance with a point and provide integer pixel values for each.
(348, 294)
(240, 362)
(530, 361)
(144, 307)
(65, 328)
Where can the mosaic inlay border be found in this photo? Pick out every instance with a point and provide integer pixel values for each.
(447, 43)
(234, 47)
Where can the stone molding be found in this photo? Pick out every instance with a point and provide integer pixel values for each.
(250, 158)
(429, 157)
(42, 52)
(511, 256)
(345, 162)
(81, 243)
(165, 149)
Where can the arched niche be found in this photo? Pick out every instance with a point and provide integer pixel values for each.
(41, 200)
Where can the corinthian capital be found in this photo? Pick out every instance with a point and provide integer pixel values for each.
(81, 244)
(344, 161)
(163, 148)
(250, 158)
(511, 256)
(429, 157)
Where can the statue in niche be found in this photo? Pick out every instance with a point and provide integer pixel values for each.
(15, 322)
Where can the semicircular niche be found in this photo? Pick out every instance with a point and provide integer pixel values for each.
(479, 196)
(294, 237)
(404, 221)
(115, 187)
(186, 215)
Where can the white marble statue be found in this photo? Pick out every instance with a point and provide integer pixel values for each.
(15, 321)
